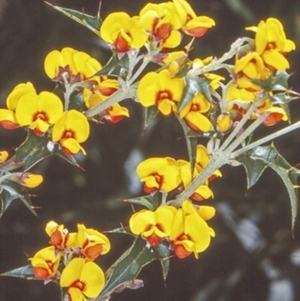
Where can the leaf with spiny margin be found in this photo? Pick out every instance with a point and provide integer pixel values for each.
(191, 142)
(151, 113)
(257, 160)
(93, 23)
(151, 202)
(129, 265)
(25, 272)
(193, 86)
(116, 66)
(36, 148)
(10, 191)
(76, 101)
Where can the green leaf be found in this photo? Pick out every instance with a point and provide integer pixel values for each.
(93, 23)
(10, 191)
(116, 66)
(25, 272)
(151, 202)
(280, 82)
(129, 265)
(193, 86)
(151, 113)
(76, 101)
(36, 148)
(191, 142)
(258, 159)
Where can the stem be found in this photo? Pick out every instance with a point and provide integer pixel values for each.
(279, 133)
(236, 130)
(217, 64)
(214, 164)
(115, 98)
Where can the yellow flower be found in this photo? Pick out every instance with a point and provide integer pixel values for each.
(30, 180)
(123, 32)
(91, 242)
(202, 159)
(190, 232)
(162, 22)
(101, 91)
(3, 156)
(83, 279)
(276, 114)
(192, 114)
(271, 43)
(45, 263)
(160, 89)
(249, 67)
(38, 111)
(159, 174)
(203, 192)
(58, 234)
(153, 225)
(7, 116)
(70, 130)
(73, 65)
(191, 24)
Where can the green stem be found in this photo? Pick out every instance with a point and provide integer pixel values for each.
(268, 138)
(115, 98)
(217, 64)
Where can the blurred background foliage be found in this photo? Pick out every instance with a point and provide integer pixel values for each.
(253, 256)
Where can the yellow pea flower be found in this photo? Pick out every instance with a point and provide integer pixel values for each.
(38, 112)
(153, 225)
(192, 113)
(45, 263)
(191, 24)
(26, 179)
(202, 159)
(71, 129)
(161, 21)
(123, 32)
(190, 232)
(249, 67)
(159, 174)
(276, 114)
(271, 43)
(58, 235)
(3, 156)
(91, 242)
(72, 64)
(83, 279)
(203, 192)
(160, 89)
(7, 116)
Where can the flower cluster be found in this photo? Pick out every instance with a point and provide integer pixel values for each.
(162, 25)
(262, 61)
(70, 260)
(185, 228)
(167, 174)
(45, 114)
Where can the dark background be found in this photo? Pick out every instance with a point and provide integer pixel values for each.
(253, 256)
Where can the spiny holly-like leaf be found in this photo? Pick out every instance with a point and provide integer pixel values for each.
(193, 86)
(151, 113)
(93, 23)
(10, 191)
(25, 272)
(116, 66)
(129, 265)
(36, 148)
(76, 101)
(191, 142)
(280, 82)
(151, 202)
(258, 159)
(165, 265)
